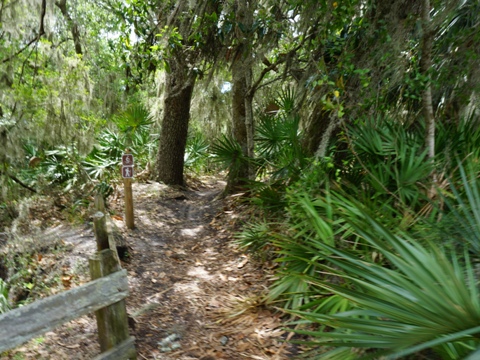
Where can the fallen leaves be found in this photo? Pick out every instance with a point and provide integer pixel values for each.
(67, 281)
(243, 262)
(201, 286)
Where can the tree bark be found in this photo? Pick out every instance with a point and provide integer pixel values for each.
(245, 17)
(242, 99)
(249, 121)
(315, 129)
(333, 124)
(425, 64)
(62, 5)
(239, 129)
(174, 129)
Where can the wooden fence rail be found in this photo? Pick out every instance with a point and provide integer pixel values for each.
(105, 296)
(27, 322)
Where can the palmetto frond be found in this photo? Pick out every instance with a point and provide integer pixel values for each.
(135, 118)
(425, 298)
(228, 152)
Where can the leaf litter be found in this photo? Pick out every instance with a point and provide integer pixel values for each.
(193, 293)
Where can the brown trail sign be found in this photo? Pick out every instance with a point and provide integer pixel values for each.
(127, 159)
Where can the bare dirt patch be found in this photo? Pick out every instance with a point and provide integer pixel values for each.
(194, 295)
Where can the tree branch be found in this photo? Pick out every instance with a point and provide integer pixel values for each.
(19, 182)
(41, 32)
(62, 5)
(280, 60)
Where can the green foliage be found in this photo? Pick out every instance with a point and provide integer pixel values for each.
(197, 153)
(457, 141)
(62, 166)
(370, 288)
(134, 125)
(311, 224)
(99, 166)
(52, 96)
(269, 196)
(227, 152)
(389, 162)
(36, 267)
(377, 276)
(462, 213)
(102, 162)
(4, 290)
(135, 132)
(135, 120)
(144, 147)
(279, 149)
(374, 275)
(110, 143)
(423, 299)
(254, 237)
(280, 158)
(278, 139)
(279, 155)
(66, 168)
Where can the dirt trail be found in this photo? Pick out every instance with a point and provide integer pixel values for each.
(194, 295)
(188, 281)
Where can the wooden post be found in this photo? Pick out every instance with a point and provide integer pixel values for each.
(100, 229)
(30, 321)
(127, 174)
(99, 202)
(100, 224)
(129, 220)
(112, 320)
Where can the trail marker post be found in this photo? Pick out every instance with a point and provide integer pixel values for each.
(127, 174)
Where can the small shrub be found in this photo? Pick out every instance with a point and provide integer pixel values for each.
(255, 238)
(4, 291)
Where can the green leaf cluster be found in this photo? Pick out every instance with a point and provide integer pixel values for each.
(4, 303)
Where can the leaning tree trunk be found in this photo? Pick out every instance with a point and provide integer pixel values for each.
(315, 129)
(425, 64)
(174, 128)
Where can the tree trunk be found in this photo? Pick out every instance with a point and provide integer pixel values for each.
(249, 121)
(62, 5)
(318, 123)
(239, 91)
(333, 124)
(245, 17)
(425, 64)
(174, 128)
(242, 108)
(237, 177)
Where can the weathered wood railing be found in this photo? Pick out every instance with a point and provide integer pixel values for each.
(104, 295)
